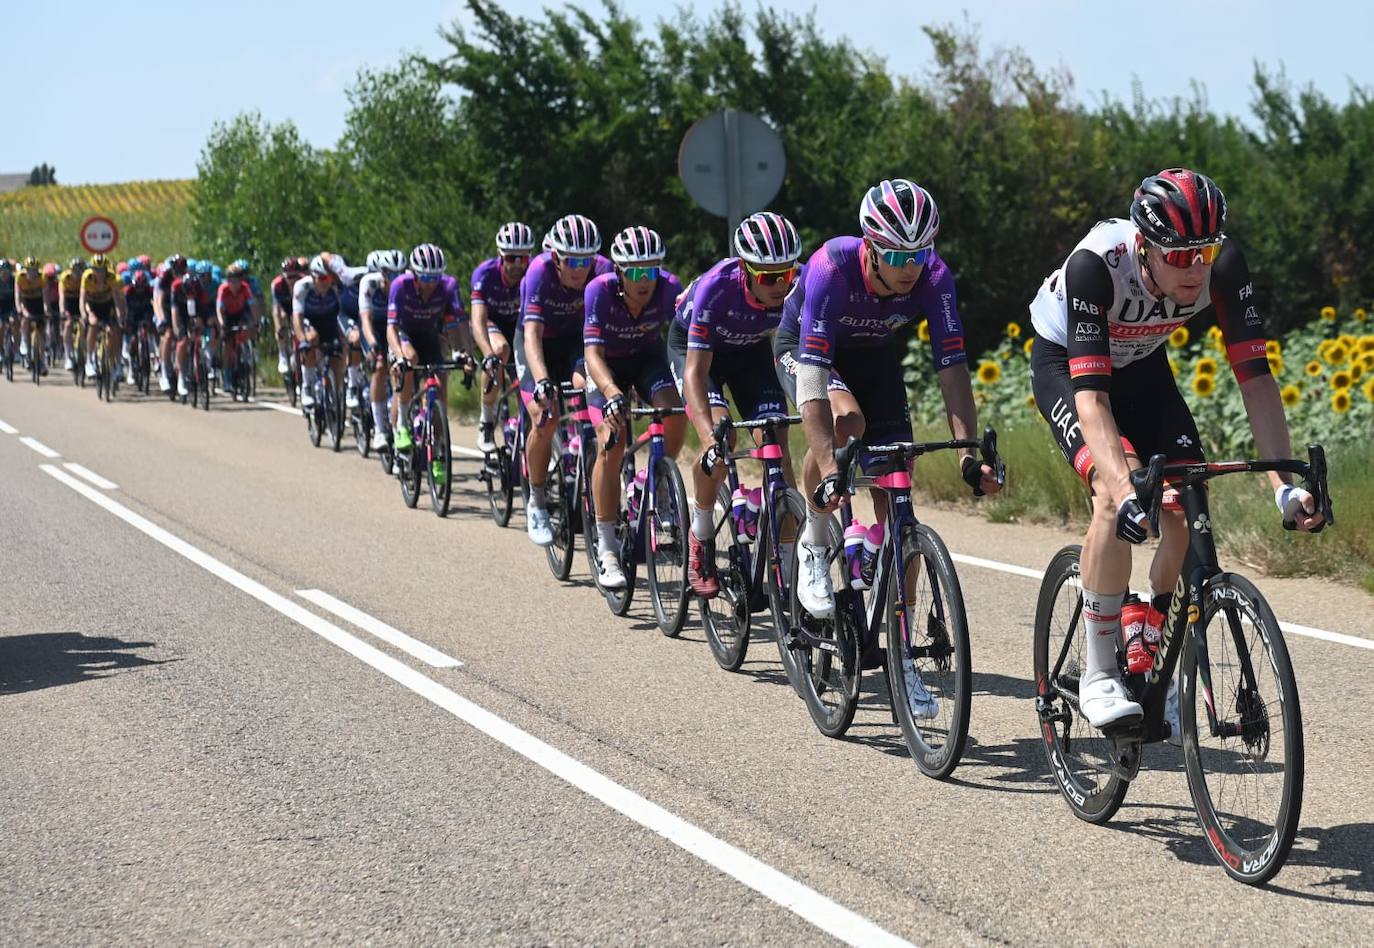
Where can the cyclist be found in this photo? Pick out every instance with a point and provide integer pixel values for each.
(349, 327)
(69, 286)
(189, 303)
(291, 271)
(102, 303)
(374, 292)
(625, 313)
(174, 268)
(1101, 379)
(138, 303)
(9, 304)
(719, 339)
(425, 321)
(234, 309)
(495, 311)
(548, 344)
(315, 308)
(840, 361)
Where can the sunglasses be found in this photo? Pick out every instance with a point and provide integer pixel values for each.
(900, 258)
(1183, 259)
(577, 263)
(515, 259)
(428, 277)
(636, 274)
(772, 277)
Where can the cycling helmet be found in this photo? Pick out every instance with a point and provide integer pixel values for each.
(767, 239)
(574, 236)
(390, 260)
(204, 267)
(1178, 208)
(77, 264)
(427, 259)
(100, 262)
(51, 270)
(145, 261)
(178, 263)
(31, 263)
(637, 245)
(190, 276)
(899, 215)
(6, 266)
(321, 265)
(235, 271)
(121, 268)
(243, 264)
(216, 273)
(290, 265)
(515, 237)
(140, 278)
(547, 246)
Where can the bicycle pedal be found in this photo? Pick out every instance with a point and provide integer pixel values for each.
(873, 658)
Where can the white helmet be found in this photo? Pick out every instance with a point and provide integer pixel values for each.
(515, 237)
(548, 242)
(637, 245)
(322, 264)
(767, 239)
(899, 215)
(574, 236)
(392, 260)
(427, 259)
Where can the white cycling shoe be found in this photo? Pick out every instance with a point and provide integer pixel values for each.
(164, 383)
(379, 441)
(537, 526)
(307, 400)
(815, 591)
(922, 703)
(486, 437)
(182, 390)
(282, 366)
(351, 399)
(610, 576)
(1105, 701)
(1171, 715)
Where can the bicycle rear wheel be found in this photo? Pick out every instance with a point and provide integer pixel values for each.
(665, 547)
(203, 379)
(439, 461)
(790, 517)
(558, 489)
(726, 618)
(1247, 780)
(619, 599)
(333, 416)
(931, 641)
(1079, 756)
(587, 505)
(829, 680)
(408, 464)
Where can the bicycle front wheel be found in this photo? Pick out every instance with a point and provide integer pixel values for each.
(1246, 778)
(665, 547)
(828, 678)
(333, 417)
(439, 469)
(726, 618)
(790, 517)
(559, 493)
(928, 662)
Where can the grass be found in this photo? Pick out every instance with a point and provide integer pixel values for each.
(153, 217)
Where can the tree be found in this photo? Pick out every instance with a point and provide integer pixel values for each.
(43, 174)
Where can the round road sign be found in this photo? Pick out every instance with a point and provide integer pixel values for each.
(99, 235)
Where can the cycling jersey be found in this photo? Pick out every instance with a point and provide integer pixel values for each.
(281, 293)
(544, 299)
(234, 304)
(184, 295)
(1100, 292)
(70, 283)
(318, 309)
(7, 304)
(502, 299)
(91, 285)
(348, 301)
(373, 296)
(607, 321)
(718, 311)
(29, 289)
(139, 301)
(410, 314)
(835, 308)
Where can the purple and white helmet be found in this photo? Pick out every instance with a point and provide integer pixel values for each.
(899, 215)
(767, 239)
(637, 245)
(574, 236)
(427, 259)
(515, 237)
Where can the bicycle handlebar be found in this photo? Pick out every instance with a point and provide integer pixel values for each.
(902, 451)
(777, 421)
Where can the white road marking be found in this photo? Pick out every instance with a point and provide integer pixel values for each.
(394, 636)
(827, 915)
(40, 447)
(276, 406)
(470, 452)
(8, 428)
(90, 475)
(1294, 628)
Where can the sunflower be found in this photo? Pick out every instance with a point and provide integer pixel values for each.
(1356, 371)
(1328, 313)
(1290, 394)
(1014, 330)
(1369, 389)
(1341, 401)
(1360, 315)
(1337, 354)
(1030, 343)
(1213, 333)
(1173, 366)
(1341, 378)
(1276, 364)
(1204, 385)
(1313, 368)
(1273, 347)
(989, 373)
(1178, 338)
(923, 331)
(1347, 340)
(1206, 366)
(1366, 344)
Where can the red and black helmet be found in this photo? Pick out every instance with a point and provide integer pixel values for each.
(1178, 208)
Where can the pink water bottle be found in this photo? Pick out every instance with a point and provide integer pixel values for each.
(754, 500)
(739, 508)
(854, 536)
(873, 541)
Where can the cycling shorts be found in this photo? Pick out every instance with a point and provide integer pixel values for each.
(71, 307)
(646, 373)
(747, 371)
(562, 357)
(872, 374)
(33, 308)
(103, 311)
(327, 328)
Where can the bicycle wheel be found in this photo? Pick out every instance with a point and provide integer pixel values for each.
(558, 489)
(363, 426)
(203, 380)
(828, 679)
(665, 547)
(587, 506)
(726, 618)
(790, 517)
(930, 641)
(1246, 780)
(292, 380)
(439, 454)
(9, 353)
(102, 373)
(408, 462)
(619, 599)
(1079, 756)
(333, 417)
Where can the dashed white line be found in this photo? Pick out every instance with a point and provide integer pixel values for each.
(278, 407)
(824, 913)
(8, 428)
(40, 447)
(92, 476)
(389, 634)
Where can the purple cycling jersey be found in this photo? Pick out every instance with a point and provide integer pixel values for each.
(717, 311)
(408, 313)
(489, 287)
(608, 322)
(835, 307)
(544, 299)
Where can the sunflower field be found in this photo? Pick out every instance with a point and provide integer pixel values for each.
(153, 217)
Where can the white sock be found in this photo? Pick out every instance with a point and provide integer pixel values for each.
(308, 376)
(539, 495)
(488, 413)
(815, 533)
(605, 535)
(1102, 625)
(380, 418)
(355, 376)
(702, 522)
(402, 411)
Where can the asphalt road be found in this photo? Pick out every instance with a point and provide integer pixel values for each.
(193, 751)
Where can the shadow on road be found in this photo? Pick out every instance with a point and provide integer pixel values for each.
(48, 659)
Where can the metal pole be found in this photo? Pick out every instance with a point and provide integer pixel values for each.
(734, 211)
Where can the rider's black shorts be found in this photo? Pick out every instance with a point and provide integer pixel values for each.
(747, 371)
(872, 374)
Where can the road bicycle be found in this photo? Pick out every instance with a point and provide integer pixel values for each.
(243, 380)
(567, 484)
(198, 375)
(431, 454)
(107, 384)
(40, 355)
(325, 416)
(140, 357)
(360, 420)
(913, 596)
(1242, 744)
(501, 468)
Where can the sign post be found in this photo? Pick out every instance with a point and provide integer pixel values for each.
(99, 235)
(732, 164)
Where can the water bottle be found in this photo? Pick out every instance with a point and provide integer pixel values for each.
(873, 541)
(854, 536)
(511, 427)
(632, 493)
(751, 511)
(739, 507)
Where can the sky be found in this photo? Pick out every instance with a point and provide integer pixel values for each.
(157, 96)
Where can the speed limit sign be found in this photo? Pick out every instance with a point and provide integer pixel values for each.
(99, 235)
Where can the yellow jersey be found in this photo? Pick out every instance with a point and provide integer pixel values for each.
(95, 293)
(29, 289)
(69, 283)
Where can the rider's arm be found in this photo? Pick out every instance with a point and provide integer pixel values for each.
(826, 294)
(1089, 292)
(219, 304)
(366, 315)
(479, 325)
(298, 310)
(595, 301)
(695, 378)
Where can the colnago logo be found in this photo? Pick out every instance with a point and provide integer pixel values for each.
(1170, 624)
(1083, 306)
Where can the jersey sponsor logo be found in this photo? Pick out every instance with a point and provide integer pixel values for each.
(952, 359)
(817, 344)
(1252, 316)
(1083, 306)
(1113, 256)
(1247, 291)
(1090, 365)
(1244, 351)
(1062, 417)
(698, 331)
(1135, 311)
(1085, 331)
(1119, 331)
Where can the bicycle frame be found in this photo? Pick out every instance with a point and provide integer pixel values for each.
(769, 452)
(654, 438)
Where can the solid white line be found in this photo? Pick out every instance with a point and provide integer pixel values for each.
(426, 654)
(470, 452)
(1000, 567)
(805, 902)
(278, 407)
(90, 475)
(8, 428)
(40, 447)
